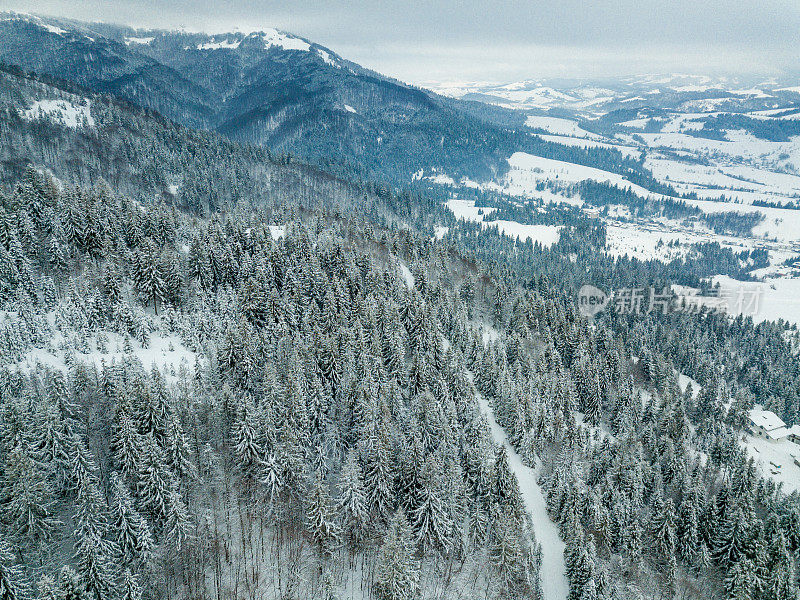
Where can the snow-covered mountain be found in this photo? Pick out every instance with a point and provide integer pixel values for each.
(269, 88)
(591, 98)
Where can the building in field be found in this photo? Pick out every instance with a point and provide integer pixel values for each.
(794, 434)
(767, 425)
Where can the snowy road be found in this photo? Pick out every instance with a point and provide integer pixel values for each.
(553, 571)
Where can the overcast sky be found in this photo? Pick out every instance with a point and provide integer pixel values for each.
(501, 40)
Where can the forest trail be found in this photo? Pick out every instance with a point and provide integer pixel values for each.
(553, 571)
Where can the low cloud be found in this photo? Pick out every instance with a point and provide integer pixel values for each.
(500, 40)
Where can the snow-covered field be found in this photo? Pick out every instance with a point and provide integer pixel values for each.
(546, 235)
(767, 455)
(559, 126)
(591, 143)
(527, 170)
(165, 352)
(662, 239)
(62, 112)
(635, 241)
(774, 299)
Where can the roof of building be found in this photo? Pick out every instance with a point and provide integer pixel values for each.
(766, 419)
(778, 434)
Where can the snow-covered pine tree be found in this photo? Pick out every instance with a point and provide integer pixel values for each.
(397, 575)
(351, 503)
(153, 481)
(321, 523)
(12, 586)
(377, 479)
(131, 532)
(430, 518)
(26, 500)
(130, 587)
(94, 553)
(662, 527)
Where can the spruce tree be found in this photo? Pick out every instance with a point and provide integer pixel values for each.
(740, 581)
(11, 585)
(130, 586)
(27, 500)
(351, 503)
(378, 479)
(397, 576)
(662, 527)
(321, 523)
(131, 532)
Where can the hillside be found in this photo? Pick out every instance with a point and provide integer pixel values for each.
(82, 137)
(276, 327)
(276, 90)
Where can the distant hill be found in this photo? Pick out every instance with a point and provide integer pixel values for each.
(84, 137)
(273, 89)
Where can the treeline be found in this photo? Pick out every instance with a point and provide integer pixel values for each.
(733, 223)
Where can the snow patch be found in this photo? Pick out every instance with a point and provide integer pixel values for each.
(54, 29)
(775, 459)
(218, 45)
(165, 352)
(327, 58)
(276, 39)
(685, 380)
(442, 179)
(143, 41)
(547, 235)
(62, 112)
(559, 126)
(277, 232)
(406, 274)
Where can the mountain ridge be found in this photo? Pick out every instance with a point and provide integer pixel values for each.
(269, 95)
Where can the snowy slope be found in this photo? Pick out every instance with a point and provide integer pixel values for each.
(166, 352)
(559, 126)
(405, 273)
(590, 143)
(62, 112)
(774, 299)
(767, 455)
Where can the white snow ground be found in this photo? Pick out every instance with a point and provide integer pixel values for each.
(774, 299)
(406, 274)
(768, 454)
(277, 232)
(165, 352)
(559, 126)
(546, 235)
(61, 111)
